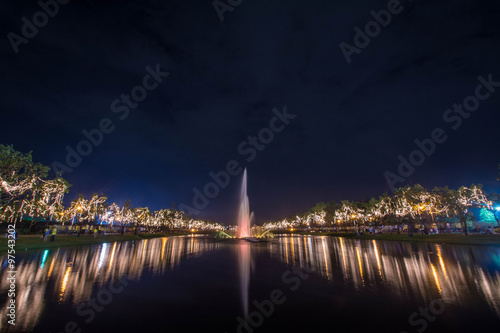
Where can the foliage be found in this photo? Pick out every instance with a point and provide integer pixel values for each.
(26, 192)
(409, 203)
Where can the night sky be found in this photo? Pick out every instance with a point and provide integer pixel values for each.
(225, 78)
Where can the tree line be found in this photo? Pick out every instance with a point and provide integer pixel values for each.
(27, 193)
(409, 205)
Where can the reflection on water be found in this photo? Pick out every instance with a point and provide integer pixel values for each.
(244, 270)
(69, 275)
(408, 273)
(454, 274)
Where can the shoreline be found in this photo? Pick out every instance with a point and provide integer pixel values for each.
(27, 243)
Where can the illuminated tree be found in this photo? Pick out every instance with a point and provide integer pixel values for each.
(494, 208)
(459, 202)
(25, 189)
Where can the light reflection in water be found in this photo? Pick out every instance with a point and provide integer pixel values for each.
(455, 274)
(426, 272)
(360, 266)
(45, 253)
(244, 258)
(378, 259)
(73, 273)
(103, 254)
(64, 283)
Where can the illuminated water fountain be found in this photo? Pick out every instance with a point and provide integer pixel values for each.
(244, 216)
(244, 221)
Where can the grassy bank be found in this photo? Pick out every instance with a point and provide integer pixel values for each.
(474, 239)
(34, 242)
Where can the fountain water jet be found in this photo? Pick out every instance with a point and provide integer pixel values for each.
(244, 216)
(244, 253)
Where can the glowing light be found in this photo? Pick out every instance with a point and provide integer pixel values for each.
(112, 255)
(163, 242)
(343, 255)
(441, 261)
(326, 260)
(101, 258)
(360, 266)
(64, 282)
(436, 278)
(51, 267)
(286, 250)
(377, 257)
(44, 257)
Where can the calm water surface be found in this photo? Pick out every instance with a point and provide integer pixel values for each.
(195, 284)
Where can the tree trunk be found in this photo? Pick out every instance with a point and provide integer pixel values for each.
(496, 217)
(16, 220)
(464, 222)
(33, 221)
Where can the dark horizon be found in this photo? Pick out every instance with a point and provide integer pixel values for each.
(207, 87)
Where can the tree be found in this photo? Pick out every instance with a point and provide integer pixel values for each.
(143, 216)
(25, 189)
(494, 208)
(459, 202)
(46, 199)
(83, 211)
(330, 211)
(349, 213)
(486, 216)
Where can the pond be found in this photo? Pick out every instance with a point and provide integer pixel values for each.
(287, 284)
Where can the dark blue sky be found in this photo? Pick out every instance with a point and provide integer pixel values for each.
(353, 120)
